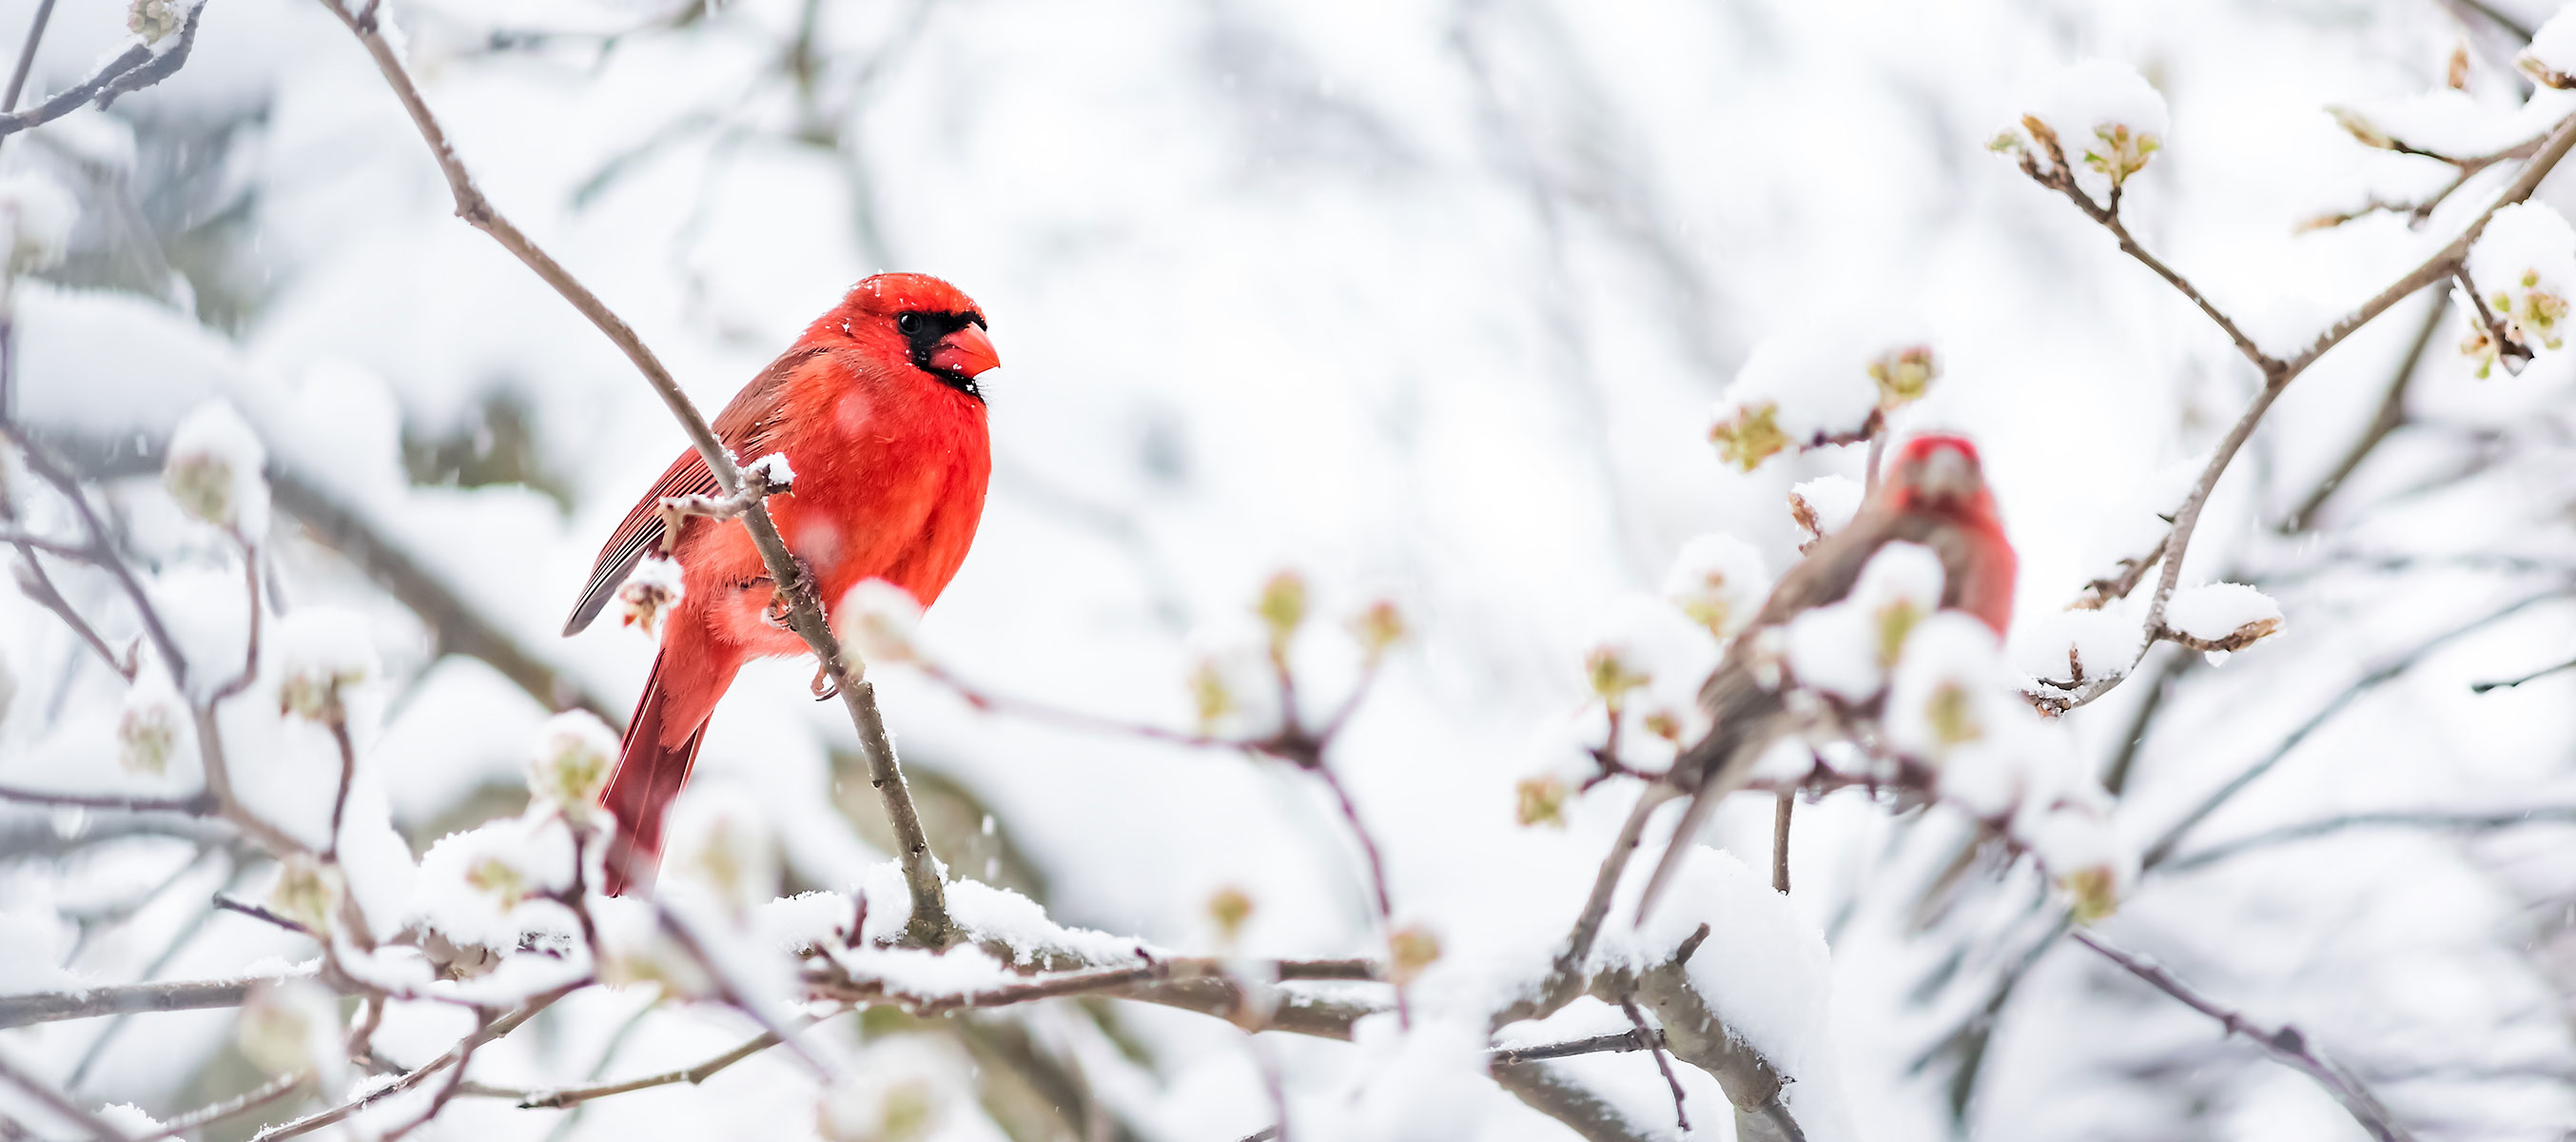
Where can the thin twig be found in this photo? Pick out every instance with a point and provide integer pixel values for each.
(1565, 979)
(197, 806)
(1654, 1041)
(1597, 1044)
(1786, 803)
(207, 1115)
(2285, 1044)
(2391, 415)
(2534, 676)
(2397, 819)
(574, 1096)
(454, 1055)
(58, 1102)
(930, 924)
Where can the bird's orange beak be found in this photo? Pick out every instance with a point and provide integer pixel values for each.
(966, 351)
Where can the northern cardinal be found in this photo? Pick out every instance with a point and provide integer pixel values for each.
(1935, 495)
(877, 411)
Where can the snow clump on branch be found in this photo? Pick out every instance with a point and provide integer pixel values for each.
(570, 763)
(37, 214)
(1823, 506)
(2221, 617)
(1719, 582)
(1846, 648)
(2524, 267)
(1812, 390)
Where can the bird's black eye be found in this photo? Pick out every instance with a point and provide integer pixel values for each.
(909, 323)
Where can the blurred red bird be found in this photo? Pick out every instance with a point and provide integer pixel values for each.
(1935, 494)
(878, 413)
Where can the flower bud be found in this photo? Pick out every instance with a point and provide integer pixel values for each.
(1230, 908)
(1542, 801)
(1411, 951)
(1903, 375)
(574, 755)
(876, 1110)
(307, 892)
(651, 591)
(322, 652)
(1749, 436)
(1378, 628)
(1282, 608)
(151, 723)
(289, 1026)
(1610, 674)
(881, 621)
(213, 470)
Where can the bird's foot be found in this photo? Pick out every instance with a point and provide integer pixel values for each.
(824, 688)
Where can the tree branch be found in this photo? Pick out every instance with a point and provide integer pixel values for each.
(2396, 819)
(128, 999)
(454, 1055)
(133, 69)
(58, 1102)
(2285, 1044)
(930, 924)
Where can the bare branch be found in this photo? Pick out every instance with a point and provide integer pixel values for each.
(242, 1103)
(131, 70)
(2391, 414)
(930, 924)
(574, 1096)
(197, 806)
(58, 1102)
(2399, 819)
(454, 1056)
(2285, 1044)
(128, 999)
(1565, 978)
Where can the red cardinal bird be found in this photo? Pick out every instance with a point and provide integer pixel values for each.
(1935, 494)
(877, 411)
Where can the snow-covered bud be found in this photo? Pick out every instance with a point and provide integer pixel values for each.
(770, 474)
(2524, 265)
(2480, 348)
(1409, 952)
(321, 653)
(1797, 391)
(1848, 647)
(1282, 609)
(722, 843)
(1233, 680)
(153, 21)
(2550, 61)
(486, 887)
(1949, 690)
(213, 470)
(574, 754)
(1719, 581)
(289, 1026)
(1541, 800)
(1378, 628)
(1823, 506)
(2081, 850)
(651, 591)
(1903, 375)
(1230, 908)
(151, 723)
(37, 215)
(873, 1109)
(2101, 114)
(881, 622)
(2361, 128)
(2073, 647)
(1612, 675)
(307, 892)
(2220, 617)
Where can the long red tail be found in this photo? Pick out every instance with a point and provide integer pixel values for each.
(649, 775)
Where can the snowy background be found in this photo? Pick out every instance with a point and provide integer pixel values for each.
(1432, 303)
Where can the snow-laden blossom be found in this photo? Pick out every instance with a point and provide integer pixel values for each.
(1950, 690)
(2524, 265)
(308, 892)
(901, 1093)
(2079, 645)
(1645, 665)
(2221, 616)
(880, 622)
(152, 724)
(213, 470)
(570, 763)
(321, 653)
(289, 1026)
(1719, 581)
(2103, 116)
(37, 214)
(1801, 391)
(2070, 831)
(1824, 505)
(1847, 648)
(487, 887)
(650, 591)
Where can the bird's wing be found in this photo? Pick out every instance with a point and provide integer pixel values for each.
(742, 426)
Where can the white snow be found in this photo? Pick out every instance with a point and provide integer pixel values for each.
(485, 886)
(1794, 392)
(2051, 647)
(215, 470)
(154, 724)
(721, 843)
(1846, 648)
(1232, 685)
(879, 622)
(1719, 582)
(2524, 264)
(1824, 505)
(2553, 45)
(2213, 612)
(1950, 689)
(320, 653)
(570, 761)
(772, 468)
(2107, 118)
(37, 215)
